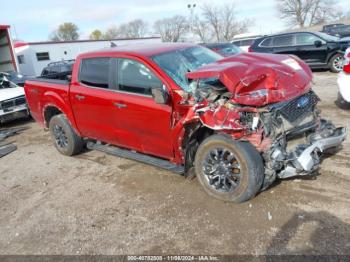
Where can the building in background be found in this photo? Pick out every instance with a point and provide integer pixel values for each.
(33, 57)
(8, 61)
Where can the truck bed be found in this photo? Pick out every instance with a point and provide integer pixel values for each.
(41, 92)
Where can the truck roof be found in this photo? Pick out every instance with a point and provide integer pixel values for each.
(140, 49)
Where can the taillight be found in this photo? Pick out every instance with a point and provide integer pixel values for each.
(346, 67)
(250, 49)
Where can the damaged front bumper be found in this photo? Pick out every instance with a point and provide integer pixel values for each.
(305, 158)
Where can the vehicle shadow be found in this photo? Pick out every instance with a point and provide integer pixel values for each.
(312, 233)
(17, 123)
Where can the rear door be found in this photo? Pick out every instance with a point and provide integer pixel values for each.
(284, 44)
(92, 100)
(308, 51)
(144, 125)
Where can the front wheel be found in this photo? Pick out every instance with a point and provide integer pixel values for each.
(229, 170)
(67, 142)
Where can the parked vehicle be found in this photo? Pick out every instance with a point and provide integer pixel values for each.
(16, 78)
(13, 104)
(58, 70)
(318, 50)
(245, 42)
(240, 122)
(224, 49)
(344, 83)
(340, 30)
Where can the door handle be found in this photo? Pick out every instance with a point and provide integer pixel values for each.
(120, 105)
(79, 97)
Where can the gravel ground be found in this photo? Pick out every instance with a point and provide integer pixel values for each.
(99, 204)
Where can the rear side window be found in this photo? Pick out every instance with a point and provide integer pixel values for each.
(266, 42)
(95, 72)
(284, 40)
(247, 42)
(135, 77)
(237, 43)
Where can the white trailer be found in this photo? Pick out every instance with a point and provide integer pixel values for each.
(33, 57)
(8, 61)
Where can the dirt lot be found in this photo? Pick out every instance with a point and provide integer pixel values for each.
(99, 204)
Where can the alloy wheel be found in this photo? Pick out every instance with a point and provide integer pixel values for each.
(60, 136)
(222, 170)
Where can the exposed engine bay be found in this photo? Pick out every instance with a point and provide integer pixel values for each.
(289, 135)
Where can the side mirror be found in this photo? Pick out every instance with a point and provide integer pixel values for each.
(318, 43)
(160, 94)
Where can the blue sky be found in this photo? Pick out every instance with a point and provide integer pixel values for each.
(35, 20)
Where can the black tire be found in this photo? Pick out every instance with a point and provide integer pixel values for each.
(334, 65)
(251, 168)
(341, 103)
(67, 142)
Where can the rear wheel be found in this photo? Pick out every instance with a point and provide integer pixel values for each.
(229, 170)
(66, 140)
(336, 63)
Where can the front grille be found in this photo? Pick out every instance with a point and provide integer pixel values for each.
(298, 108)
(13, 102)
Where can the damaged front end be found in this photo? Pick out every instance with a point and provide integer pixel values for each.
(274, 109)
(299, 137)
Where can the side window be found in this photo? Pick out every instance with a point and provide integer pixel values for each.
(284, 40)
(43, 56)
(135, 77)
(20, 59)
(306, 39)
(237, 43)
(267, 42)
(247, 42)
(95, 72)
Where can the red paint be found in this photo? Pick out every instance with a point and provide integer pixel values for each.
(347, 62)
(258, 79)
(158, 129)
(20, 44)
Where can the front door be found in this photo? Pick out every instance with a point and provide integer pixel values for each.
(144, 125)
(308, 51)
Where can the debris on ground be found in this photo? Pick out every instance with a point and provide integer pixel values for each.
(269, 216)
(8, 147)
(7, 150)
(10, 132)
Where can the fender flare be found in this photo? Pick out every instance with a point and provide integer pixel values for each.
(52, 99)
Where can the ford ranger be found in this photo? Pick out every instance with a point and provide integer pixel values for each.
(237, 123)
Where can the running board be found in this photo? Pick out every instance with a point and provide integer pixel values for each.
(116, 151)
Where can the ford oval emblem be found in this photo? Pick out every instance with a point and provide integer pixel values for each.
(303, 102)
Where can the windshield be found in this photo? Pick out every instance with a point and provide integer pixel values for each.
(177, 63)
(5, 82)
(327, 37)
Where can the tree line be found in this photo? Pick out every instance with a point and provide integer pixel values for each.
(214, 23)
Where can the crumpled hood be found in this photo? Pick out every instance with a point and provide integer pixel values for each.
(259, 79)
(8, 93)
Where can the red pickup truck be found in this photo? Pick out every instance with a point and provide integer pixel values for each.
(239, 122)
